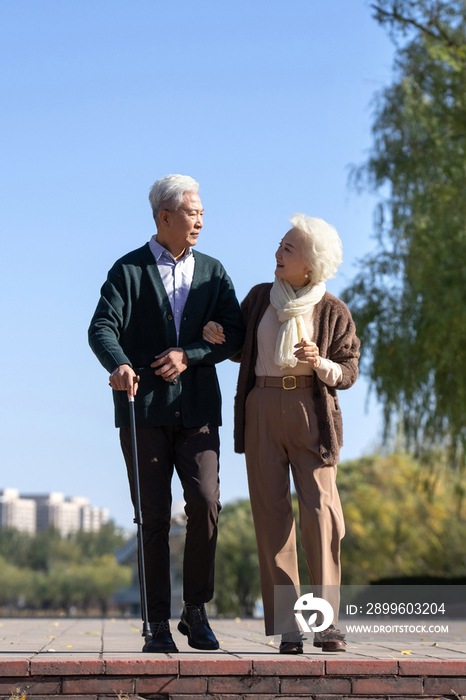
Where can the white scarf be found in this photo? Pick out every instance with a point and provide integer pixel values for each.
(291, 306)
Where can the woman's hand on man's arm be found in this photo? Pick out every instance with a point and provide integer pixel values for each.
(213, 333)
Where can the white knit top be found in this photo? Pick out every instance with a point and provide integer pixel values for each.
(267, 333)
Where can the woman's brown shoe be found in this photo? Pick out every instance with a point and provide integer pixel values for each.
(330, 639)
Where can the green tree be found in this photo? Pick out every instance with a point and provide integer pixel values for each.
(409, 299)
(16, 584)
(15, 546)
(105, 541)
(100, 579)
(83, 585)
(48, 571)
(395, 526)
(48, 548)
(237, 582)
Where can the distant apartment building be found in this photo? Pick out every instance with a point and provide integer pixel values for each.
(50, 510)
(17, 512)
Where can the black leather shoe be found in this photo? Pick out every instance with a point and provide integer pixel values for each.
(291, 648)
(292, 643)
(161, 640)
(195, 625)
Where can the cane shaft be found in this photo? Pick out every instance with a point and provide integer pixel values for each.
(138, 521)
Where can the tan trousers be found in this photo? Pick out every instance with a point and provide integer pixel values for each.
(282, 431)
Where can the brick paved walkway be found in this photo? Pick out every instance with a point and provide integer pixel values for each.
(27, 638)
(94, 659)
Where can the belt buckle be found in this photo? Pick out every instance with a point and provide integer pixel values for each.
(289, 388)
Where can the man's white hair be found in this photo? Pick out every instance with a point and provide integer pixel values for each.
(322, 249)
(167, 193)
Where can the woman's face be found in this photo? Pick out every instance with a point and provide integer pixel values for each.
(289, 256)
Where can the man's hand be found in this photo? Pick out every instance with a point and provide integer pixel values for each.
(124, 378)
(308, 352)
(170, 363)
(213, 333)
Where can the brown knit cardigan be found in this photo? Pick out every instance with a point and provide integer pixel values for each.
(335, 336)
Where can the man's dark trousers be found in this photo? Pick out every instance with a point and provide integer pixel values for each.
(194, 453)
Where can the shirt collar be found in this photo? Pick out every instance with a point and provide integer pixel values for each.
(158, 250)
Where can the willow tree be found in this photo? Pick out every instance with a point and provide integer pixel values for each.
(409, 297)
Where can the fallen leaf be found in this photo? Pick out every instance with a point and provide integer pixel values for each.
(271, 643)
(424, 639)
(92, 632)
(434, 644)
(50, 649)
(134, 629)
(68, 646)
(56, 624)
(406, 652)
(238, 620)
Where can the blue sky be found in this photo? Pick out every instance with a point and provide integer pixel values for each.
(267, 104)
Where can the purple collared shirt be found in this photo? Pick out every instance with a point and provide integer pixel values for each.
(177, 277)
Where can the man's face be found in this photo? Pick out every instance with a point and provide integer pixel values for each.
(184, 225)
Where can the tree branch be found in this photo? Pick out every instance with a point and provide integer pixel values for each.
(395, 16)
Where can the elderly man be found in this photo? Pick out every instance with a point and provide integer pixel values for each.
(151, 313)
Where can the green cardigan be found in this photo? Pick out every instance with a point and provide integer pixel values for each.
(133, 322)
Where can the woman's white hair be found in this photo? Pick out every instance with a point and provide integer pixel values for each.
(322, 249)
(167, 193)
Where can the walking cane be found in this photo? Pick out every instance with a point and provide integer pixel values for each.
(138, 520)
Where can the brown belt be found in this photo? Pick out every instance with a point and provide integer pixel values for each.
(289, 382)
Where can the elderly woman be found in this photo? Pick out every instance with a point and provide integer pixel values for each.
(300, 348)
